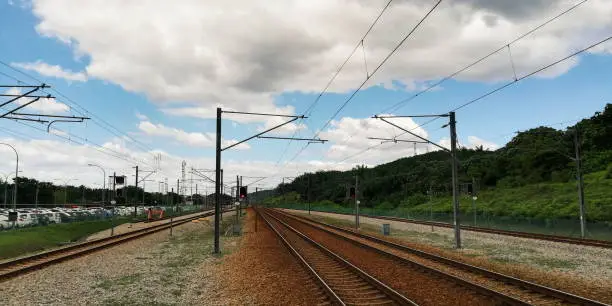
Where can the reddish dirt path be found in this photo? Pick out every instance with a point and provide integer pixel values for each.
(263, 272)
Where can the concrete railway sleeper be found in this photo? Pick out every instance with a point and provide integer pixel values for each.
(524, 291)
(344, 283)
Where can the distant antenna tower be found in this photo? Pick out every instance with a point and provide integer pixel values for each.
(183, 190)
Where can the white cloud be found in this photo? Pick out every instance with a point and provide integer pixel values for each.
(243, 54)
(65, 160)
(43, 105)
(141, 116)
(473, 143)
(54, 71)
(193, 139)
(286, 129)
(349, 137)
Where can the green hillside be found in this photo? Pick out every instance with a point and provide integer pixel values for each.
(532, 176)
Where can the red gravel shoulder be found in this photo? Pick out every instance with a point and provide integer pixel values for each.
(263, 272)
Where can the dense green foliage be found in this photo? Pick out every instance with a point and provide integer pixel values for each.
(536, 170)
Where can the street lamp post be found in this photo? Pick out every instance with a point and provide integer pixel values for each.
(103, 180)
(6, 188)
(16, 173)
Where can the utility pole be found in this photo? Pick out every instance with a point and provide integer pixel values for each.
(218, 171)
(452, 151)
(580, 183)
(457, 222)
(172, 215)
(113, 205)
(240, 205)
(222, 194)
(356, 201)
(136, 201)
(218, 181)
(178, 191)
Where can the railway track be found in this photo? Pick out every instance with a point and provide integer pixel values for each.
(19, 266)
(555, 238)
(343, 283)
(503, 288)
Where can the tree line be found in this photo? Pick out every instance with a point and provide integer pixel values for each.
(541, 154)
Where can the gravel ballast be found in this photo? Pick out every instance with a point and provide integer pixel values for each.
(582, 270)
(263, 272)
(421, 287)
(154, 270)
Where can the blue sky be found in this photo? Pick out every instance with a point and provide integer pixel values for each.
(575, 90)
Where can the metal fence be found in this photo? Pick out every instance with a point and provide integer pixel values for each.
(550, 226)
(43, 215)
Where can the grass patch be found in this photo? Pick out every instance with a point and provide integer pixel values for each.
(22, 241)
(107, 284)
(546, 208)
(130, 302)
(554, 263)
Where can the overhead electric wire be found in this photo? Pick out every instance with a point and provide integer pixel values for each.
(483, 58)
(533, 73)
(398, 105)
(511, 83)
(401, 103)
(71, 137)
(309, 109)
(83, 111)
(377, 68)
(401, 42)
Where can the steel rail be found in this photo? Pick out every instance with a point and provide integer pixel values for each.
(318, 279)
(383, 288)
(548, 291)
(19, 266)
(554, 238)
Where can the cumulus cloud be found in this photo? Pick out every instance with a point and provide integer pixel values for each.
(54, 71)
(193, 139)
(243, 54)
(349, 138)
(473, 143)
(64, 160)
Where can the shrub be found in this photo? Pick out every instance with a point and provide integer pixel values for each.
(414, 200)
(560, 176)
(385, 206)
(608, 174)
